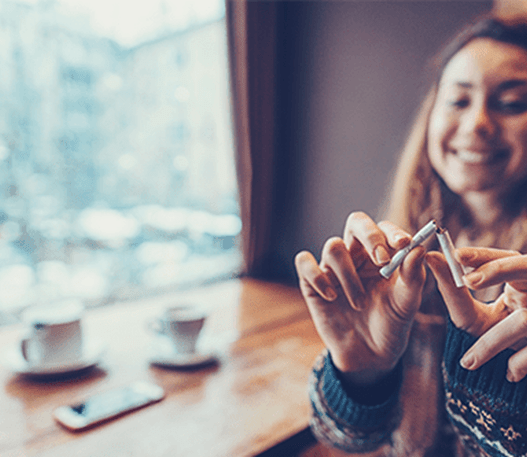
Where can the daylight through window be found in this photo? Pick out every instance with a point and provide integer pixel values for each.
(116, 157)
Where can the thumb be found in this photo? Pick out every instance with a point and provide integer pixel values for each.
(461, 306)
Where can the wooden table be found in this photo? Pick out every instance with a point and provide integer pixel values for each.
(255, 398)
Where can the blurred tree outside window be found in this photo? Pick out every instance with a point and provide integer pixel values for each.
(116, 158)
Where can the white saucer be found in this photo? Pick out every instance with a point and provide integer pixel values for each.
(165, 354)
(13, 359)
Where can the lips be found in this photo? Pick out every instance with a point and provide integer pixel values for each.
(479, 156)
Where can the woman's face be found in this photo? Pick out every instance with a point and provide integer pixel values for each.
(477, 133)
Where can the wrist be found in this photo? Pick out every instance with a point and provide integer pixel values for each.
(362, 376)
(370, 387)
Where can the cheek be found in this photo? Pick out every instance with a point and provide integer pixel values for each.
(438, 132)
(522, 143)
(516, 138)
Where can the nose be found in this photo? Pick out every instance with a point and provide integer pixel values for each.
(480, 121)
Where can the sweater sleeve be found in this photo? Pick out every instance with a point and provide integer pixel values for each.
(489, 412)
(354, 420)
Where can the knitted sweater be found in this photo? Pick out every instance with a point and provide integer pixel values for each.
(428, 406)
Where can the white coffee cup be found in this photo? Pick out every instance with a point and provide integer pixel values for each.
(183, 325)
(54, 334)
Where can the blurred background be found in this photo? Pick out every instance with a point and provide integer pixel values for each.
(116, 154)
(117, 151)
(350, 75)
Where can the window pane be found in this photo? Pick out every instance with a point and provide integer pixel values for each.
(116, 157)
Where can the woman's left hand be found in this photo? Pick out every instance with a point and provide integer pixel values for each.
(498, 325)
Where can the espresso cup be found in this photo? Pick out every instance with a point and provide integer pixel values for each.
(54, 334)
(183, 325)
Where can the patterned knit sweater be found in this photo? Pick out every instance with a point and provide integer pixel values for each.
(428, 406)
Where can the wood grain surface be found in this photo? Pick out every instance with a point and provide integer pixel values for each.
(253, 399)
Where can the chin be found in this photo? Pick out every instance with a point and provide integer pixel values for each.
(468, 187)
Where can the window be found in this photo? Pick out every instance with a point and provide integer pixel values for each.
(116, 158)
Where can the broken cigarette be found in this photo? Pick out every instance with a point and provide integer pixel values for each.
(420, 237)
(448, 250)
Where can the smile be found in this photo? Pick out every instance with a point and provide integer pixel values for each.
(480, 157)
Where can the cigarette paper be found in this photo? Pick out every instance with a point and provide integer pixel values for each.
(421, 236)
(448, 250)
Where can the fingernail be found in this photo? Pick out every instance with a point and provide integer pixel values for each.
(357, 305)
(430, 259)
(473, 278)
(468, 361)
(381, 255)
(510, 376)
(330, 294)
(398, 238)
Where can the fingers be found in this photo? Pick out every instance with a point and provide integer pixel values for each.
(313, 281)
(336, 258)
(513, 298)
(517, 368)
(492, 267)
(505, 334)
(336, 270)
(397, 238)
(412, 271)
(511, 268)
(377, 240)
(475, 257)
(461, 306)
(412, 275)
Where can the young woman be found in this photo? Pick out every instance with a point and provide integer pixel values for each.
(415, 365)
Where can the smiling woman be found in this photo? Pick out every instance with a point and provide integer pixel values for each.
(117, 168)
(478, 127)
(407, 351)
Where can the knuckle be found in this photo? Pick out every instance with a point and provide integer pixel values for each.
(388, 231)
(517, 369)
(499, 269)
(500, 265)
(387, 225)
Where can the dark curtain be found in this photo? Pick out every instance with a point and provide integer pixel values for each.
(252, 29)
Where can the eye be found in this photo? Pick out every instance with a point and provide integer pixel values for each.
(459, 103)
(512, 106)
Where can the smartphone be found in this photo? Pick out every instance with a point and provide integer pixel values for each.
(108, 405)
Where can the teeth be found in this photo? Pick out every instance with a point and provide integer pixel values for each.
(474, 157)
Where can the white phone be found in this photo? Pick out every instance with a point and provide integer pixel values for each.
(108, 405)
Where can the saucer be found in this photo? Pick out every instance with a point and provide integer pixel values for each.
(165, 354)
(14, 360)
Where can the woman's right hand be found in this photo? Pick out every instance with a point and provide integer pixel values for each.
(363, 319)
